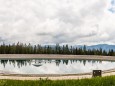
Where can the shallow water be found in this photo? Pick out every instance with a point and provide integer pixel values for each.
(37, 66)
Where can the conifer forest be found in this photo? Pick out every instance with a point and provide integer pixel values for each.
(20, 48)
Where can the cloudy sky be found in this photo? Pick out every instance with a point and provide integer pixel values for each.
(57, 21)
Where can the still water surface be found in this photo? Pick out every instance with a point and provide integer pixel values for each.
(37, 66)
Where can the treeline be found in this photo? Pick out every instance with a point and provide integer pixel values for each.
(21, 48)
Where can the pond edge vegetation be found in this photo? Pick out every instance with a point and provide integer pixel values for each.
(98, 81)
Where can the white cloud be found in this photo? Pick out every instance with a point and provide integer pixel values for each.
(56, 21)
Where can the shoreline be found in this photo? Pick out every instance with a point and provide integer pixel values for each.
(57, 77)
(55, 56)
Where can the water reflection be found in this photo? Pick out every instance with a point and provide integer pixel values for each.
(41, 66)
(21, 63)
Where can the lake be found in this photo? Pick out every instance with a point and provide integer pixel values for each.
(45, 66)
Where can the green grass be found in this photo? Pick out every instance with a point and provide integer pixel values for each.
(105, 81)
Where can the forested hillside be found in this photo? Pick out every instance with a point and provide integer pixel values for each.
(20, 48)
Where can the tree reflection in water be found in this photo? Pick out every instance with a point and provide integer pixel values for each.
(21, 63)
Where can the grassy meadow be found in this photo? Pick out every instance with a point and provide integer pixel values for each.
(98, 81)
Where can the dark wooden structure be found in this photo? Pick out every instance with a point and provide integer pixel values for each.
(97, 73)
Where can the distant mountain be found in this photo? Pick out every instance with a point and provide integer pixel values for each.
(103, 46)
